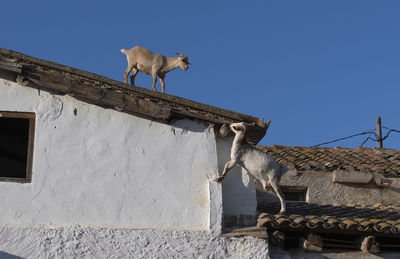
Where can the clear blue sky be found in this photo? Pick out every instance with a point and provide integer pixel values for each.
(320, 70)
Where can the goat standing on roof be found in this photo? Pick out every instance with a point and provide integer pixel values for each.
(145, 61)
(263, 167)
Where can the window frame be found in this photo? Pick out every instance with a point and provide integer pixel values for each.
(31, 116)
(304, 190)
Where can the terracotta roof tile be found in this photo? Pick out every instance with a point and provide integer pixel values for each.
(361, 219)
(368, 160)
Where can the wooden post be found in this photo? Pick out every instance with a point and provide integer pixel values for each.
(379, 132)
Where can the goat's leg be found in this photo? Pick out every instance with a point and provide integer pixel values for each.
(280, 195)
(228, 166)
(128, 70)
(162, 84)
(134, 73)
(154, 83)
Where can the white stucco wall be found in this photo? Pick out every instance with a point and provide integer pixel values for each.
(84, 242)
(107, 168)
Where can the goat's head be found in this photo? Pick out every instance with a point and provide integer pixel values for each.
(238, 128)
(183, 61)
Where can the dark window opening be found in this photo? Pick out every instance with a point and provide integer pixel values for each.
(16, 146)
(294, 193)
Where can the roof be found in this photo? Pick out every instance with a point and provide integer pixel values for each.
(350, 219)
(325, 159)
(108, 93)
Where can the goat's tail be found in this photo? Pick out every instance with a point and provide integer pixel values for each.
(124, 51)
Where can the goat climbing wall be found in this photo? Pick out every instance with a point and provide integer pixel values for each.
(239, 193)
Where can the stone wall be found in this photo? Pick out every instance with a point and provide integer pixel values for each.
(322, 189)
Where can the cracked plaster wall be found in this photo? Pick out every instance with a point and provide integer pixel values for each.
(96, 166)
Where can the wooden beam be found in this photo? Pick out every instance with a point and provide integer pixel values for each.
(170, 100)
(108, 93)
(10, 66)
(101, 96)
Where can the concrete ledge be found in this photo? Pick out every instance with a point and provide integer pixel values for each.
(258, 232)
(351, 177)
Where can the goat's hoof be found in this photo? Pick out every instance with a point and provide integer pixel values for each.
(282, 212)
(219, 179)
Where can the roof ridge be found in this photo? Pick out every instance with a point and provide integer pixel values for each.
(167, 97)
(384, 150)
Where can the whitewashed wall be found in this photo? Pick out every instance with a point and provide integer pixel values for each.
(84, 242)
(107, 168)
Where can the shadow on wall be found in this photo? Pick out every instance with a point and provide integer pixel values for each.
(4, 255)
(189, 125)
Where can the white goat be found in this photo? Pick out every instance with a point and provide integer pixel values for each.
(263, 167)
(145, 61)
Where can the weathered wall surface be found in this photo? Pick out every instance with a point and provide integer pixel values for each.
(322, 190)
(239, 195)
(78, 242)
(103, 167)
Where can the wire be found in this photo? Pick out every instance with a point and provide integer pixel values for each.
(360, 134)
(390, 131)
(339, 139)
(369, 138)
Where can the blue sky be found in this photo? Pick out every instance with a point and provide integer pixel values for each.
(320, 70)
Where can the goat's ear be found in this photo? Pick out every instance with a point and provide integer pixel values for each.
(182, 55)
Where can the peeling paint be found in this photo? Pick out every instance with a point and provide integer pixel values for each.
(49, 107)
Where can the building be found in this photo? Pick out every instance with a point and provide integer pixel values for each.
(95, 168)
(341, 201)
(91, 167)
